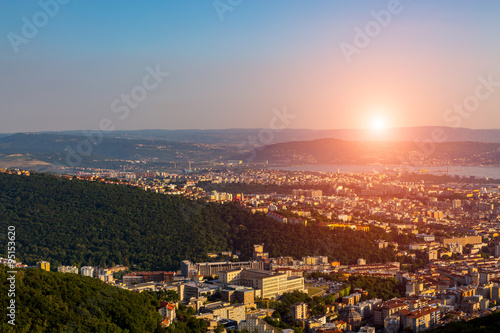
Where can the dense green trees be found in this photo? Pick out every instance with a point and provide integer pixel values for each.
(165, 295)
(75, 222)
(375, 286)
(316, 304)
(57, 302)
(83, 223)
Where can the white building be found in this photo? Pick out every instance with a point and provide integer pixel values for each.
(87, 271)
(67, 269)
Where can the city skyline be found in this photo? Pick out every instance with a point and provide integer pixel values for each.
(228, 64)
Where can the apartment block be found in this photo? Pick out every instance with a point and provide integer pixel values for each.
(167, 311)
(67, 269)
(421, 320)
(299, 311)
(351, 299)
(45, 265)
(87, 271)
(365, 309)
(386, 309)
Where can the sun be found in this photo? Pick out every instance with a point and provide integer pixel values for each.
(378, 124)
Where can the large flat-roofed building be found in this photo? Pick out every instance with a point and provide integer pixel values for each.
(307, 193)
(231, 276)
(196, 290)
(245, 296)
(463, 241)
(270, 284)
(238, 294)
(225, 310)
(213, 268)
(141, 277)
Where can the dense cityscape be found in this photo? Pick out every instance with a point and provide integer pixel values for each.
(445, 241)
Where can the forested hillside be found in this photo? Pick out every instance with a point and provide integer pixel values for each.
(57, 302)
(76, 222)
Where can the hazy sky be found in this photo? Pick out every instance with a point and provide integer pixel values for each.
(231, 62)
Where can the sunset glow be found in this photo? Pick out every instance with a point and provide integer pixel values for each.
(378, 124)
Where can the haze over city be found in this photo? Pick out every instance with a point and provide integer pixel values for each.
(332, 64)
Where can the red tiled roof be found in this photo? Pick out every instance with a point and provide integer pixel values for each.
(422, 312)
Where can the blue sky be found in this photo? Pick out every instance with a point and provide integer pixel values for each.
(231, 73)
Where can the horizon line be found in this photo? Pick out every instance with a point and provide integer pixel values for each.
(248, 128)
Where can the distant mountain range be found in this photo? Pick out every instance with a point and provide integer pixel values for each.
(402, 146)
(242, 136)
(334, 151)
(94, 151)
